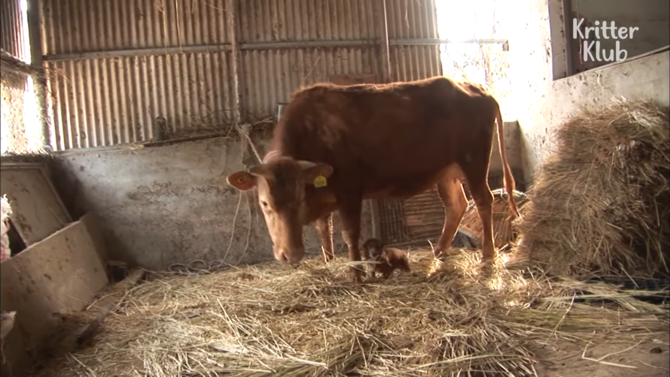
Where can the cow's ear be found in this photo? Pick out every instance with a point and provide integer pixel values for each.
(242, 180)
(319, 174)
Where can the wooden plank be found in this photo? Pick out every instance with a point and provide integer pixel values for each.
(37, 210)
(61, 273)
(82, 335)
(92, 223)
(108, 305)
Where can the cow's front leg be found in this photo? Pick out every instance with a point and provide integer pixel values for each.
(324, 227)
(350, 216)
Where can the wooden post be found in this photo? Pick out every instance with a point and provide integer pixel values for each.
(39, 79)
(231, 16)
(385, 54)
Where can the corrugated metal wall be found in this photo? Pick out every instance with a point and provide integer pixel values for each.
(116, 66)
(114, 99)
(412, 20)
(115, 73)
(270, 75)
(13, 30)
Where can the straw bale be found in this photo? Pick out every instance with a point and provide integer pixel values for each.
(601, 201)
(270, 319)
(503, 230)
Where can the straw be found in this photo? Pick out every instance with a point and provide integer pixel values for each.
(442, 319)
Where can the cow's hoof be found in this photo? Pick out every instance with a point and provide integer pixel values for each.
(440, 255)
(486, 267)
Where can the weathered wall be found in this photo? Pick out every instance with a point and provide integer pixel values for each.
(545, 103)
(163, 205)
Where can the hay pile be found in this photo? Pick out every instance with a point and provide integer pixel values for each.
(601, 203)
(271, 319)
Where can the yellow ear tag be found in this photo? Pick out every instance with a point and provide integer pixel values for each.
(320, 181)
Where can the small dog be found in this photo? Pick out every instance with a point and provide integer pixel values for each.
(388, 259)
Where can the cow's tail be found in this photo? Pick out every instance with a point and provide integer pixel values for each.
(507, 172)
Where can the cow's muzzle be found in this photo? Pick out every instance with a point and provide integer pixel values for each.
(293, 257)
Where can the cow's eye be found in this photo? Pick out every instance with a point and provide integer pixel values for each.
(264, 204)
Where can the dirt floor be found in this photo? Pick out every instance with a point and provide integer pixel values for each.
(564, 359)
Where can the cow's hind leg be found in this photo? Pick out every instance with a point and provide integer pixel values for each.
(350, 216)
(324, 227)
(483, 198)
(455, 203)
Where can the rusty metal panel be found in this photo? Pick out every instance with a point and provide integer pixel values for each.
(411, 19)
(104, 102)
(14, 30)
(271, 76)
(72, 26)
(306, 20)
(415, 62)
(108, 100)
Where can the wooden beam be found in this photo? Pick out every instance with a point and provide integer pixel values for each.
(39, 81)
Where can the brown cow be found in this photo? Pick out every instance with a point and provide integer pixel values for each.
(337, 145)
(388, 259)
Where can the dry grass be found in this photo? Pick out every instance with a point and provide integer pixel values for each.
(504, 231)
(601, 202)
(271, 319)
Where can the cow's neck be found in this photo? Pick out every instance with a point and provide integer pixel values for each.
(320, 202)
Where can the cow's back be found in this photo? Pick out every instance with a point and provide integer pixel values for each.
(382, 133)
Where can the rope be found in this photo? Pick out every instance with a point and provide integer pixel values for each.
(244, 131)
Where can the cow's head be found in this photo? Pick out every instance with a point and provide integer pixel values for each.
(374, 248)
(282, 194)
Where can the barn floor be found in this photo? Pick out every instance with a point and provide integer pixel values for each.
(644, 357)
(270, 319)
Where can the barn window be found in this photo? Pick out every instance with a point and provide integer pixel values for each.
(602, 32)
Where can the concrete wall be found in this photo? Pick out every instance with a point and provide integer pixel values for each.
(538, 47)
(163, 205)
